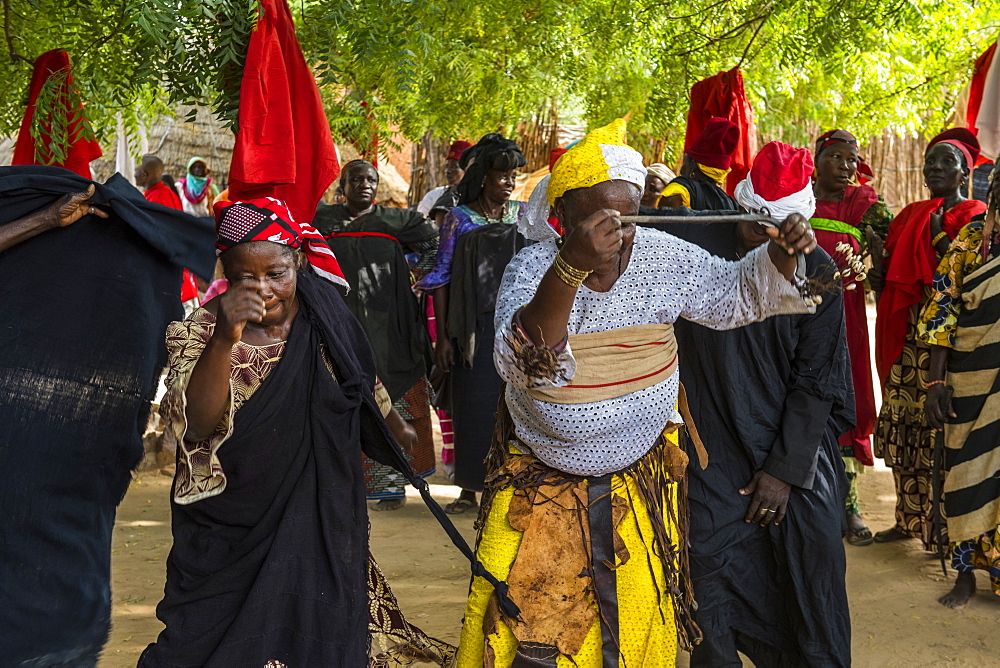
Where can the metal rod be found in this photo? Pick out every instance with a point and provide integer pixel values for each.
(728, 218)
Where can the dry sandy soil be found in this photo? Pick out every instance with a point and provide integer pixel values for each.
(893, 588)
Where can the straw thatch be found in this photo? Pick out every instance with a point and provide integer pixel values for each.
(175, 141)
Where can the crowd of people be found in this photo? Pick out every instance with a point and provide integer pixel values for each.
(657, 419)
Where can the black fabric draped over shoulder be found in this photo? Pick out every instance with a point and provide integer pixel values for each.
(371, 250)
(275, 567)
(83, 310)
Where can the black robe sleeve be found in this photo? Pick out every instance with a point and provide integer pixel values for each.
(820, 388)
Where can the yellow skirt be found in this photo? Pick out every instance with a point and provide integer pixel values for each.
(647, 631)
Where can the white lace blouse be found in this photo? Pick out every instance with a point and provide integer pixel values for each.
(666, 279)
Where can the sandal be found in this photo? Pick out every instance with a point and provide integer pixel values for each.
(860, 537)
(460, 506)
(890, 535)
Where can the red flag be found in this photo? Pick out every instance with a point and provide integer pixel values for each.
(80, 150)
(723, 95)
(283, 145)
(976, 86)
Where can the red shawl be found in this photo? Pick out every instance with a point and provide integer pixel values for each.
(81, 150)
(851, 208)
(283, 147)
(723, 95)
(161, 193)
(910, 267)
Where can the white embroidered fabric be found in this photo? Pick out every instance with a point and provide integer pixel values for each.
(666, 279)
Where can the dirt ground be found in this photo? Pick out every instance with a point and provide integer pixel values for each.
(893, 588)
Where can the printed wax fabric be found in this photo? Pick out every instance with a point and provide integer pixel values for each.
(972, 440)
(724, 95)
(844, 222)
(458, 222)
(481, 256)
(905, 440)
(782, 586)
(275, 566)
(909, 267)
(81, 348)
(962, 315)
(371, 251)
(385, 482)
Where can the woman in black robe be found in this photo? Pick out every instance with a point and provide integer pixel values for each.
(769, 400)
(272, 397)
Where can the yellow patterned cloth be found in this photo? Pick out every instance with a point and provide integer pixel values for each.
(937, 322)
(647, 624)
(601, 156)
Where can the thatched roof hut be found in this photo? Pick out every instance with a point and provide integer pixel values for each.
(175, 141)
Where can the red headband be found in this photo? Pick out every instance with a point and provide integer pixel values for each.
(268, 219)
(961, 138)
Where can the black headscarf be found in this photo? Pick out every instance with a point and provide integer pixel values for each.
(492, 152)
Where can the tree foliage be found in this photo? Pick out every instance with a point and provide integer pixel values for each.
(463, 67)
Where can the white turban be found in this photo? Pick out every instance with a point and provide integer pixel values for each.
(803, 201)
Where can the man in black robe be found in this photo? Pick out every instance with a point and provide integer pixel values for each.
(374, 245)
(769, 400)
(371, 243)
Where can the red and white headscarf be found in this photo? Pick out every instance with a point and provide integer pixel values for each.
(268, 219)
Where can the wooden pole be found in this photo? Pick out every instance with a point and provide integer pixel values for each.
(761, 218)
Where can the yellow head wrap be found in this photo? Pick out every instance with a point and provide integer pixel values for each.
(601, 156)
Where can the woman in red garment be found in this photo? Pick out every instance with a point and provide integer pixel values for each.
(916, 241)
(843, 210)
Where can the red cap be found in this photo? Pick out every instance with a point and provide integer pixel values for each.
(780, 170)
(715, 145)
(554, 155)
(457, 149)
(964, 140)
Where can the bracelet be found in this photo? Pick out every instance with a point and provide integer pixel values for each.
(938, 237)
(567, 273)
(935, 382)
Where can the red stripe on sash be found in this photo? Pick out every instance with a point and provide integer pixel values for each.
(623, 382)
